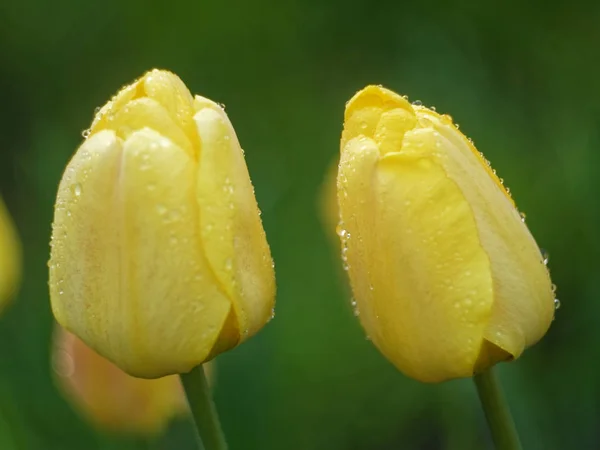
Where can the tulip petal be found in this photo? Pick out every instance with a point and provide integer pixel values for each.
(232, 232)
(168, 90)
(406, 217)
(515, 324)
(147, 112)
(133, 256)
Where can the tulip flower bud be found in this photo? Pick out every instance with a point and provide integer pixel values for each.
(10, 258)
(446, 276)
(159, 260)
(108, 397)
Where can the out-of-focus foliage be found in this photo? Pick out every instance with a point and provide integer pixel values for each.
(519, 77)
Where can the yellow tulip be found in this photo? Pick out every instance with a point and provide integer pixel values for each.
(10, 258)
(159, 260)
(446, 276)
(107, 396)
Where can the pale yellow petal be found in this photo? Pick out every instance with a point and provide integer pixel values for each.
(168, 90)
(130, 278)
(10, 257)
(363, 115)
(523, 299)
(147, 112)
(421, 280)
(105, 115)
(230, 225)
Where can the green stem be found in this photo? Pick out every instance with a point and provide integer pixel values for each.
(203, 409)
(502, 426)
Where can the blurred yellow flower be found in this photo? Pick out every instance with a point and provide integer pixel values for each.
(159, 260)
(10, 258)
(328, 204)
(446, 276)
(107, 396)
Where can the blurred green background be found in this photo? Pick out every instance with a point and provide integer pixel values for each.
(521, 78)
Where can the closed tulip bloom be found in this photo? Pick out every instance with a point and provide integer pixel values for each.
(108, 397)
(446, 276)
(159, 260)
(10, 258)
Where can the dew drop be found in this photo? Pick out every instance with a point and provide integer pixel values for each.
(432, 108)
(86, 133)
(523, 216)
(77, 189)
(417, 103)
(556, 303)
(545, 256)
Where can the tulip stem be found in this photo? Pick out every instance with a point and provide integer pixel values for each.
(203, 409)
(497, 413)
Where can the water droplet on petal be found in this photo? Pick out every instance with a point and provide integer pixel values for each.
(522, 214)
(556, 303)
(77, 189)
(545, 256)
(417, 103)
